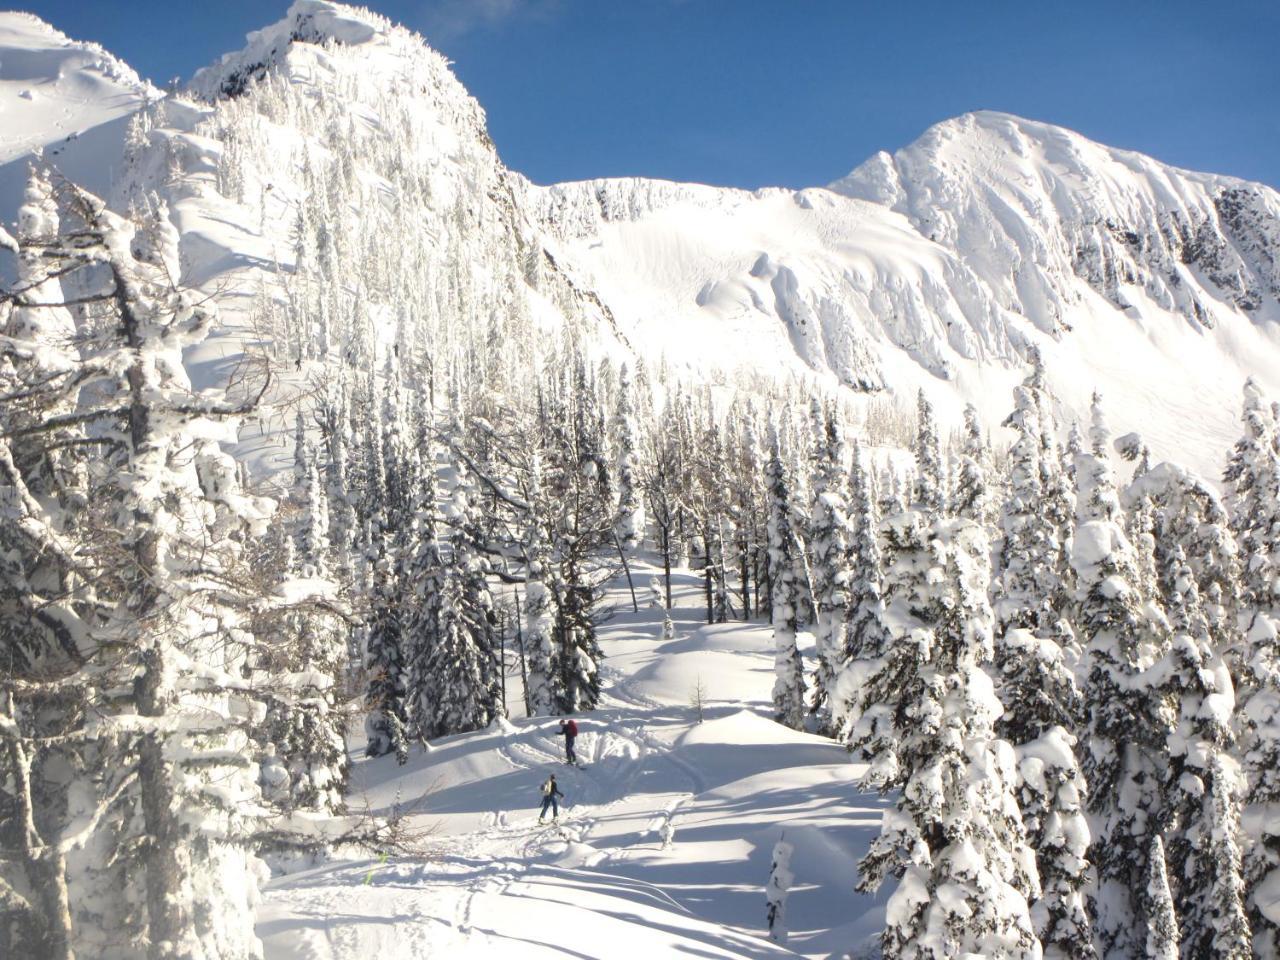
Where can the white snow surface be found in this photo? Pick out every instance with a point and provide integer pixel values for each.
(664, 841)
(53, 88)
(935, 267)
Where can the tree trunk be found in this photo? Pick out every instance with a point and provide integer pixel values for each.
(524, 671)
(43, 863)
(707, 573)
(666, 561)
(626, 568)
(168, 923)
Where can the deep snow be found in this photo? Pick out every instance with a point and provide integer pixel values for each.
(604, 882)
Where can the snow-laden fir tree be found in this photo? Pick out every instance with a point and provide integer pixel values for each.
(708, 504)
(40, 500)
(164, 796)
(779, 885)
(454, 682)
(954, 838)
(539, 624)
(1156, 899)
(1253, 496)
(830, 534)
(930, 489)
(1130, 720)
(1042, 705)
(788, 683)
(797, 439)
(631, 517)
(385, 660)
(1203, 787)
(972, 498)
(303, 723)
(867, 637)
(334, 413)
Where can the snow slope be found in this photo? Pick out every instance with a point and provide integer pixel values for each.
(933, 268)
(605, 882)
(54, 92)
(936, 268)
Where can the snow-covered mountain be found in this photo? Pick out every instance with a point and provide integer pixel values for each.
(936, 267)
(454, 454)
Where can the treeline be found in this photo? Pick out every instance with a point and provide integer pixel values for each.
(1068, 684)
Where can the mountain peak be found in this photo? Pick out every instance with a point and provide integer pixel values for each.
(316, 22)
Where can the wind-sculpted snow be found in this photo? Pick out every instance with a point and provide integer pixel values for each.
(53, 88)
(938, 267)
(1032, 208)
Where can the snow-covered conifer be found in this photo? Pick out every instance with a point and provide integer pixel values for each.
(1161, 942)
(1038, 691)
(788, 684)
(867, 636)
(384, 654)
(780, 880)
(158, 753)
(631, 517)
(454, 683)
(830, 533)
(930, 491)
(1129, 726)
(972, 499)
(954, 838)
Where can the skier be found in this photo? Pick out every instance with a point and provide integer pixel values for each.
(570, 731)
(549, 794)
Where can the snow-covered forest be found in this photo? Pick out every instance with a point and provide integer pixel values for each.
(319, 449)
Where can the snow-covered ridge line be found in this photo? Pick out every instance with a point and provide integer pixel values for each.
(577, 208)
(53, 87)
(306, 21)
(1031, 206)
(934, 269)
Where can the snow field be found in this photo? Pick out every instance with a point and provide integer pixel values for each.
(664, 838)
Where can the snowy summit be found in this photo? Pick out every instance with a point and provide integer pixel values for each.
(400, 558)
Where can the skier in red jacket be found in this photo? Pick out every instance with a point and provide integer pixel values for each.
(570, 731)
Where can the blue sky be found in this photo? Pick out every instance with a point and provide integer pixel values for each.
(792, 92)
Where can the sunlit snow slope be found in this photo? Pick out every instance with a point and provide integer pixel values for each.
(938, 266)
(663, 847)
(54, 90)
(935, 267)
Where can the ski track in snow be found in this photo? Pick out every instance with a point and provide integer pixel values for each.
(602, 881)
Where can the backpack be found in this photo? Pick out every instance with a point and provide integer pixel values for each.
(571, 729)
(548, 787)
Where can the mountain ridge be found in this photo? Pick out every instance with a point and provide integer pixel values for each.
(935, 268)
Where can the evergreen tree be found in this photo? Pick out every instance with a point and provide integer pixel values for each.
(539, 630)
(972, 498)
(1208, 892)
(829, 542)
(384, 660)
(304, 725)
(954, 839)
(930, 492)
(788, 685)
(156, 650)
(1038, 691)
(1129, 724)
(867, 637)
(631, 517)
(454, 680)
(1253, 488)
